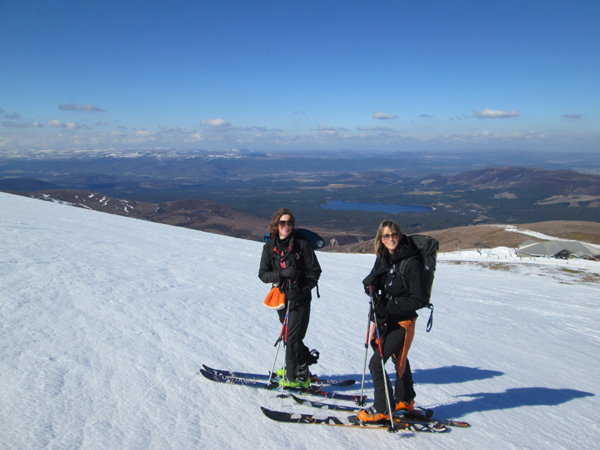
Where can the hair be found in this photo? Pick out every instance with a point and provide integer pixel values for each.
(380, 248)
(274, 226)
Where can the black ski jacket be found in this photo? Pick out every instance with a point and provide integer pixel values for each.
(299, 254)
(402, 298)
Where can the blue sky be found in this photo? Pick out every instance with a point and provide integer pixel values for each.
(271, 75)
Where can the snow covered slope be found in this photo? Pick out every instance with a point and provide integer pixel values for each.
(105, 321)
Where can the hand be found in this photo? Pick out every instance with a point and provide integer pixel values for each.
(368, 282)
(369, 290)
(288, 272)
(381, 310)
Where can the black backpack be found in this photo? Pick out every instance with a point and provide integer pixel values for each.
(428, 248)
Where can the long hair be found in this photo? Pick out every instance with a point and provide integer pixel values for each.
(274, 226)
(380, 248)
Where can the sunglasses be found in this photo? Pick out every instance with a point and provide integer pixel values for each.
(283, 223)
(386, 237)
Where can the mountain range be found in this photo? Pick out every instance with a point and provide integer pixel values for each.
(564, 188)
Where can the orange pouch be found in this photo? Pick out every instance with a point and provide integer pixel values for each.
(275, 299)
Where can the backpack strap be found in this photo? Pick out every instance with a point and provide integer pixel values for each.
(430, 321)
(400, 270)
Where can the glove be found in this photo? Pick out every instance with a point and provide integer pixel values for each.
(382, 310)
(371, 279)
(368, 290)
(368, 282)
(288, 272)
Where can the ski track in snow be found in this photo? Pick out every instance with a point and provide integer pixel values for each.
(105, 321)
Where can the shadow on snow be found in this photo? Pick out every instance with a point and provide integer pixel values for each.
(485, 401)
(509, 399)
(453, 374)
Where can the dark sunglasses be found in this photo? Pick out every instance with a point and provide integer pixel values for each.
(386, 237)
(283, 223)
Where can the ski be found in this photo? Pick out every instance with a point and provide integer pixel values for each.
(327, 406)
(265, 377)
(423, 416)
(418, 416)
(309, 419)
(274, 385)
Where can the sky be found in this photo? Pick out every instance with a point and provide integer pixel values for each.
(105, 322)
(280, 75)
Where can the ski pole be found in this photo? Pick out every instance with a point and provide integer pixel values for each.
(284, 374)
(385, 378)
(277, 344)
(367, 341)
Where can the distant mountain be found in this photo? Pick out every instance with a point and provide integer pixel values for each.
(219, 219)
(241, 206)
(195, 214)
(491, 236)
(25, 185)
(553, 182)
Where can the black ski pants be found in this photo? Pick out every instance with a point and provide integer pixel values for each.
(296, 352)
(393, 343)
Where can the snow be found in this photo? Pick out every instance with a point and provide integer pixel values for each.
(536, 234)
(105, 321)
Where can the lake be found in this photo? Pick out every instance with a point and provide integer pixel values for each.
(379, 207)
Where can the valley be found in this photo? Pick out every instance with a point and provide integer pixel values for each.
(235, 192)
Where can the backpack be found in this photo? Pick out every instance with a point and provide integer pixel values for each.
(428, 248)
(315, 241)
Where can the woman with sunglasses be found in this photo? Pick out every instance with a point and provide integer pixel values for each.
(395, 302)
(288, 261)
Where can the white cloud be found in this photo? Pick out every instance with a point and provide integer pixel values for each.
(216, 123)
(178, 130)
(21, 125)
(491, 114)
(376, 129)
(54, 123)
(84, 107)
(384, 116)
(194, 138)
(143, 133)
(327, 131)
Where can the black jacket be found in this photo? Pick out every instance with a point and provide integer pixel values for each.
(297, 253)
(400, 299)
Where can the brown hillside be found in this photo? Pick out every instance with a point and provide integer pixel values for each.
(490, 236)
(216, 218)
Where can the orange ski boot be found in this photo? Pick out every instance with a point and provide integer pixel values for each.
(369, 415)
(408, 405)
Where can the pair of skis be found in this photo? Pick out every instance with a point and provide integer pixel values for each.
(265, 377)
(260, 381)
(419, 420)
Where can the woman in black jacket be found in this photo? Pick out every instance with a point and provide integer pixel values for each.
(288, 261)
(396, 299)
